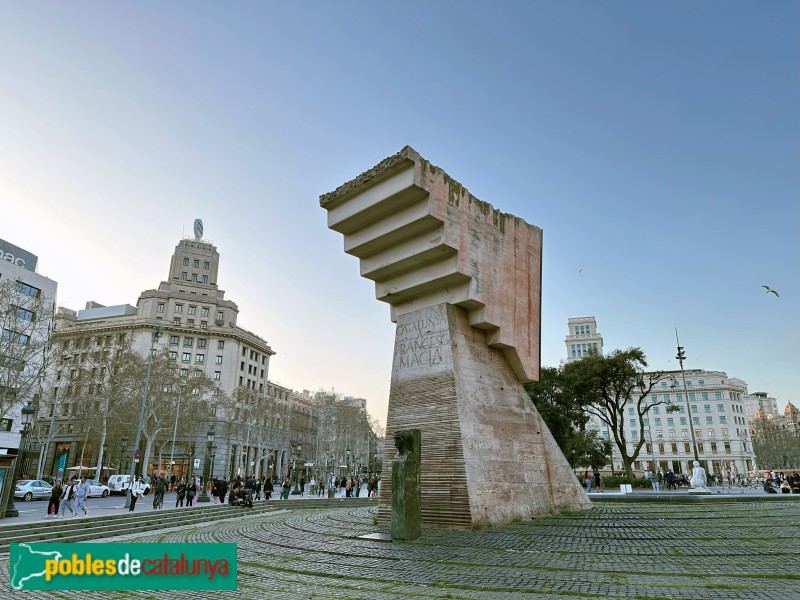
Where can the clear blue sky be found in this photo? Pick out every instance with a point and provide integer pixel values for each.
(657, 144)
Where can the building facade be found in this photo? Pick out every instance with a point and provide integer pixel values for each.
(196, 327)
(760, 402)
(27, 302)
(709, 415)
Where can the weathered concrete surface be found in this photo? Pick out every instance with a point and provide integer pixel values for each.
(424, 239)
(488, 457)
(464, 283)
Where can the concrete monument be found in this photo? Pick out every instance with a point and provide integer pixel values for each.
(464, 284)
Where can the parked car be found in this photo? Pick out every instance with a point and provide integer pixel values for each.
(97, 489)
(28, 489)
(119, 484)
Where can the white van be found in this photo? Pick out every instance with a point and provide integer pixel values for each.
(119, 484)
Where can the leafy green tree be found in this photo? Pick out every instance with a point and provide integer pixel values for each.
(566, 418)
(608, 386)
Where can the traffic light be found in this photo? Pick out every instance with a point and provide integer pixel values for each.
(681, 354)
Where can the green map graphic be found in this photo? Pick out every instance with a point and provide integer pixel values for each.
(29, 564)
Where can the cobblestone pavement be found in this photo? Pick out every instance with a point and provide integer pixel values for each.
(716, 551)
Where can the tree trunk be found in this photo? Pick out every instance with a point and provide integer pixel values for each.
(627, 463)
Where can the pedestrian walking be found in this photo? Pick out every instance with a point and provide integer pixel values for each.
(68, 498)
(597, 480)
(587, 481)
(137, 492)
(81, 493)
(180, 493)
(191, 492)
(55, 500)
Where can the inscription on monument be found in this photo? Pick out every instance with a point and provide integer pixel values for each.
(420, 343)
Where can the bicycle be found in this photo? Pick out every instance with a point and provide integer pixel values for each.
(158, 500)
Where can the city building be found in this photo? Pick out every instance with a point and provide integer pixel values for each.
(760, 401)
(197, 328)
(582, 337)
(27, 302)
(712, 408)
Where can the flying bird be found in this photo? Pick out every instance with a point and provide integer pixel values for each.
(769, 290)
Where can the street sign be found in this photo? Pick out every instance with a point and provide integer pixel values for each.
(196, 463)
(136, 454)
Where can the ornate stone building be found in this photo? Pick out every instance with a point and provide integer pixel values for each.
(198, 329)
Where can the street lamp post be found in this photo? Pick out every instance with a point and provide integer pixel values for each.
(153, 341)
(681, 357)
(294, 468)
(207, 470)
(175, 431)
(27, 419)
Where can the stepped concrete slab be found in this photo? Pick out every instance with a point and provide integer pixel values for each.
(464, 284)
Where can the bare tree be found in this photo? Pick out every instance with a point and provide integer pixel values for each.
(25, 320)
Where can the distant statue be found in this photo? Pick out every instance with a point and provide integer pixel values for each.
(698, 476)
(198, 228)
(406, 488)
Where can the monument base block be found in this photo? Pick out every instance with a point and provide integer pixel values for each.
(487, 457)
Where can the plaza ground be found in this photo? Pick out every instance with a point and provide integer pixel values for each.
(646, 549)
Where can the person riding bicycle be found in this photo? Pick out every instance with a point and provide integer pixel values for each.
(158, 498)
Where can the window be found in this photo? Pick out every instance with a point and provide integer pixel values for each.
(714, 447)
(186, 356)
(217, 375)
(219, 360)
(206, 265)
(685, 432)
(724, 432)
(704, 396)
(657, 421)
(197, 374)
(21, 313)
(634, 435)
(201, 342)
(666, 398)
(709, 420)
(178, 309)
(711, 433)
(670, 421)
(200, 358)
(194, 277)
(661, 448)
(701, 382)
(659, 434)
(220, 316)
(691, 397)
(573, 351)
(204, 311)
(184, 276)
(192, 310)
(184, 372)
(689, 383)
(220, 344)
(674, 448)
(717, 395)
(686, 447)
(700, 447)
(176, 321)
(173, 355)
(205, 279)
(190, 322)
(188, 342)
(16, 337)
(28, 290)
(656, 410)
(720, 408)
(663, 384)
(706, 408)
(722, 420)
(672, 433)
(203, 324)
(185, 262)
(196, 263)
(727, 447)
(173, 340)
(696, 420)
(698, 433)
(694, 408)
